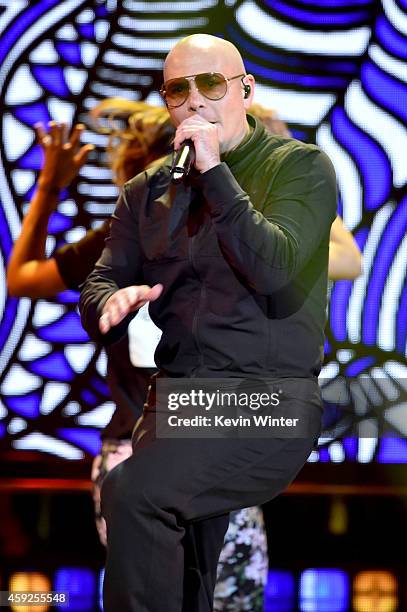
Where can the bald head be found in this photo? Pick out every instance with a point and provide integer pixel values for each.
(200, 54)
(203, 50)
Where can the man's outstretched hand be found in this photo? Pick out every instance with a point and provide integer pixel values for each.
(124, 301)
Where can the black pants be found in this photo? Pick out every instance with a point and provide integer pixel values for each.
(167, 507)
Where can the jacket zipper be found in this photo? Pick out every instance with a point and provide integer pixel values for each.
(202, 295)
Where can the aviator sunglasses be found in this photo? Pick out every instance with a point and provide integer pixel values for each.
(212, 85)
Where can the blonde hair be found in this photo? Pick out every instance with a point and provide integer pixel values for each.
(139, 134)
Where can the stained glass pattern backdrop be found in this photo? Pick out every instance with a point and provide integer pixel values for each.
(335, 70)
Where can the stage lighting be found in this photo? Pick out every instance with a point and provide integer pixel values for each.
(280, 592)
(375, 591)
(80, 583)
(324, 590)
(29, 582)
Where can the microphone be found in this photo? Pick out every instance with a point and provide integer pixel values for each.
(183, 161)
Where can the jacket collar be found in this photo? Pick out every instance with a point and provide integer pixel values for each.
(231, 158)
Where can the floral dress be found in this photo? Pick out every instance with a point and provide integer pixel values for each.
(243, 564)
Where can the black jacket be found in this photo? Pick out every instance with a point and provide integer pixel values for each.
(128, 385)
(242, 252)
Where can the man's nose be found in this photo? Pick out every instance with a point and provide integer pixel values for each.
(195, 98)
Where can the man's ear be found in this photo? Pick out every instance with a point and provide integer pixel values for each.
(248, 90)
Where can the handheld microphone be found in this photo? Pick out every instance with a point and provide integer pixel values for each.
(183, 161)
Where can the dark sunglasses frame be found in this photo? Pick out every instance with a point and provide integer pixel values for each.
(192, 77)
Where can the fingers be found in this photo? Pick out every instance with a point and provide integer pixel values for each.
(105, 323)
(139, 295)
(56, 130)
(40, 132)
(64, 132)
(76, 135)
(146, 294)
(194, 128)
(57, 135)
(205, 136)
(154, 292)
(114, 311)
(196, 125)
(81, 157)
(124, 301)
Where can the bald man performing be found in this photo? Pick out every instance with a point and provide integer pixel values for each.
(233, 261)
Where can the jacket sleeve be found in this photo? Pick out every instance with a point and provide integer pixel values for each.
(77, 259)
(119, 265)
(270, 248)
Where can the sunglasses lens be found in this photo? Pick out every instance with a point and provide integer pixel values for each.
(212, 85)
(176, 92)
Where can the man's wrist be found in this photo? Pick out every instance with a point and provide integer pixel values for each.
(210, 165)
(220, 188)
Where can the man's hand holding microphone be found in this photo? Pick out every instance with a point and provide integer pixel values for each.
(203, 137)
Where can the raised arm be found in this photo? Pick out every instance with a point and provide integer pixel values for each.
(345, 259)
(29, 272)
(270, 248)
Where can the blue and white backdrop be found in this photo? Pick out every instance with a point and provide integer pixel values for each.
(335, 70)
